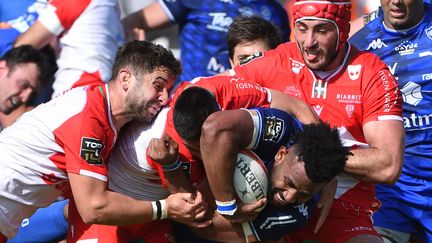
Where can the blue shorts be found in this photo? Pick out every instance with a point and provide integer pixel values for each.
(406, 206)
(45, 225)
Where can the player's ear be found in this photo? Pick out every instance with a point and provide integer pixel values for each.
(124, 77)
(281, 153)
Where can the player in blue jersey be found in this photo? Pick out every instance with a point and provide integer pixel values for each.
(203, 28)
(301, 160)
(402, 38)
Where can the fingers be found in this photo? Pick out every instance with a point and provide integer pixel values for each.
(323, 216)
(169, 141)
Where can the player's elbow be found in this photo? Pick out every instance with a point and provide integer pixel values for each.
(392, 172)
(92, 213)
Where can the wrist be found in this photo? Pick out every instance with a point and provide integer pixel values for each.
(173, 166)
(159, 210)
(227, 207)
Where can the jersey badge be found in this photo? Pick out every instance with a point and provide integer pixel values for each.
(91, 150)
(354, 71)
(411, 93)
(273, 129)
(296, 66)
(349, 110)
(429, 32)
(251, 57)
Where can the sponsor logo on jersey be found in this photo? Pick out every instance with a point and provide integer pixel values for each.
(296, 66)
(318, 109)
(354, 71)
(349, 110)
(376, 44)
(293, 91)
(303, 209)
(411, 93)
(251, 57)
(91, 150)
(427, 76)
(273, 129)
(425, 54)
(349, 98)
(406, 48)
(319, 89)
(417, 122)
(428, 32)
(241, 84)
(220, 22)
(215, 67)
(390, 87)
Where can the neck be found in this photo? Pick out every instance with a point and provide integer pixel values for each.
(338, 59)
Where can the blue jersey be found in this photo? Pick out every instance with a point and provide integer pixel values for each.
(203, 30)
(274, 129)
(409, 56)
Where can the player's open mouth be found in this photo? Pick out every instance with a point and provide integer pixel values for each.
(397, 13)
(311, 55)
(279, 199)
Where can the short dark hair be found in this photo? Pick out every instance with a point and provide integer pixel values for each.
(191, 109)
(321, 149)
(246, 29)
(27, 54)
(144, 57)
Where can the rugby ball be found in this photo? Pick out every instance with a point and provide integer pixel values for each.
(250, 177)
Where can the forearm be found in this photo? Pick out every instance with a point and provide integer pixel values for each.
(373, 165)
(116, 209)
(382, 161)
(224, 134)
(178, 181)
(293, 106)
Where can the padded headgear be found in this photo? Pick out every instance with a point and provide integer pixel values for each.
(337, 12)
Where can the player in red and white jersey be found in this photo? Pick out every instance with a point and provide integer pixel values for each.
(89, 33)
(64, 144)
(349, 89)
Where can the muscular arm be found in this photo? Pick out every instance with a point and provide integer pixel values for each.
(293, 106)
(37, 35)
(224, 134)
(383, 160)
(97, 205)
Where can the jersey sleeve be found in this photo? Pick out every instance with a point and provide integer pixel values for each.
(60, 15)
(272, 128)
(234, 92)
(175, 10)
(261, 68)
(86, 146)
(274, 222)
(381, 96)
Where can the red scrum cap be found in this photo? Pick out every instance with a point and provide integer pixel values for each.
(337, 12)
